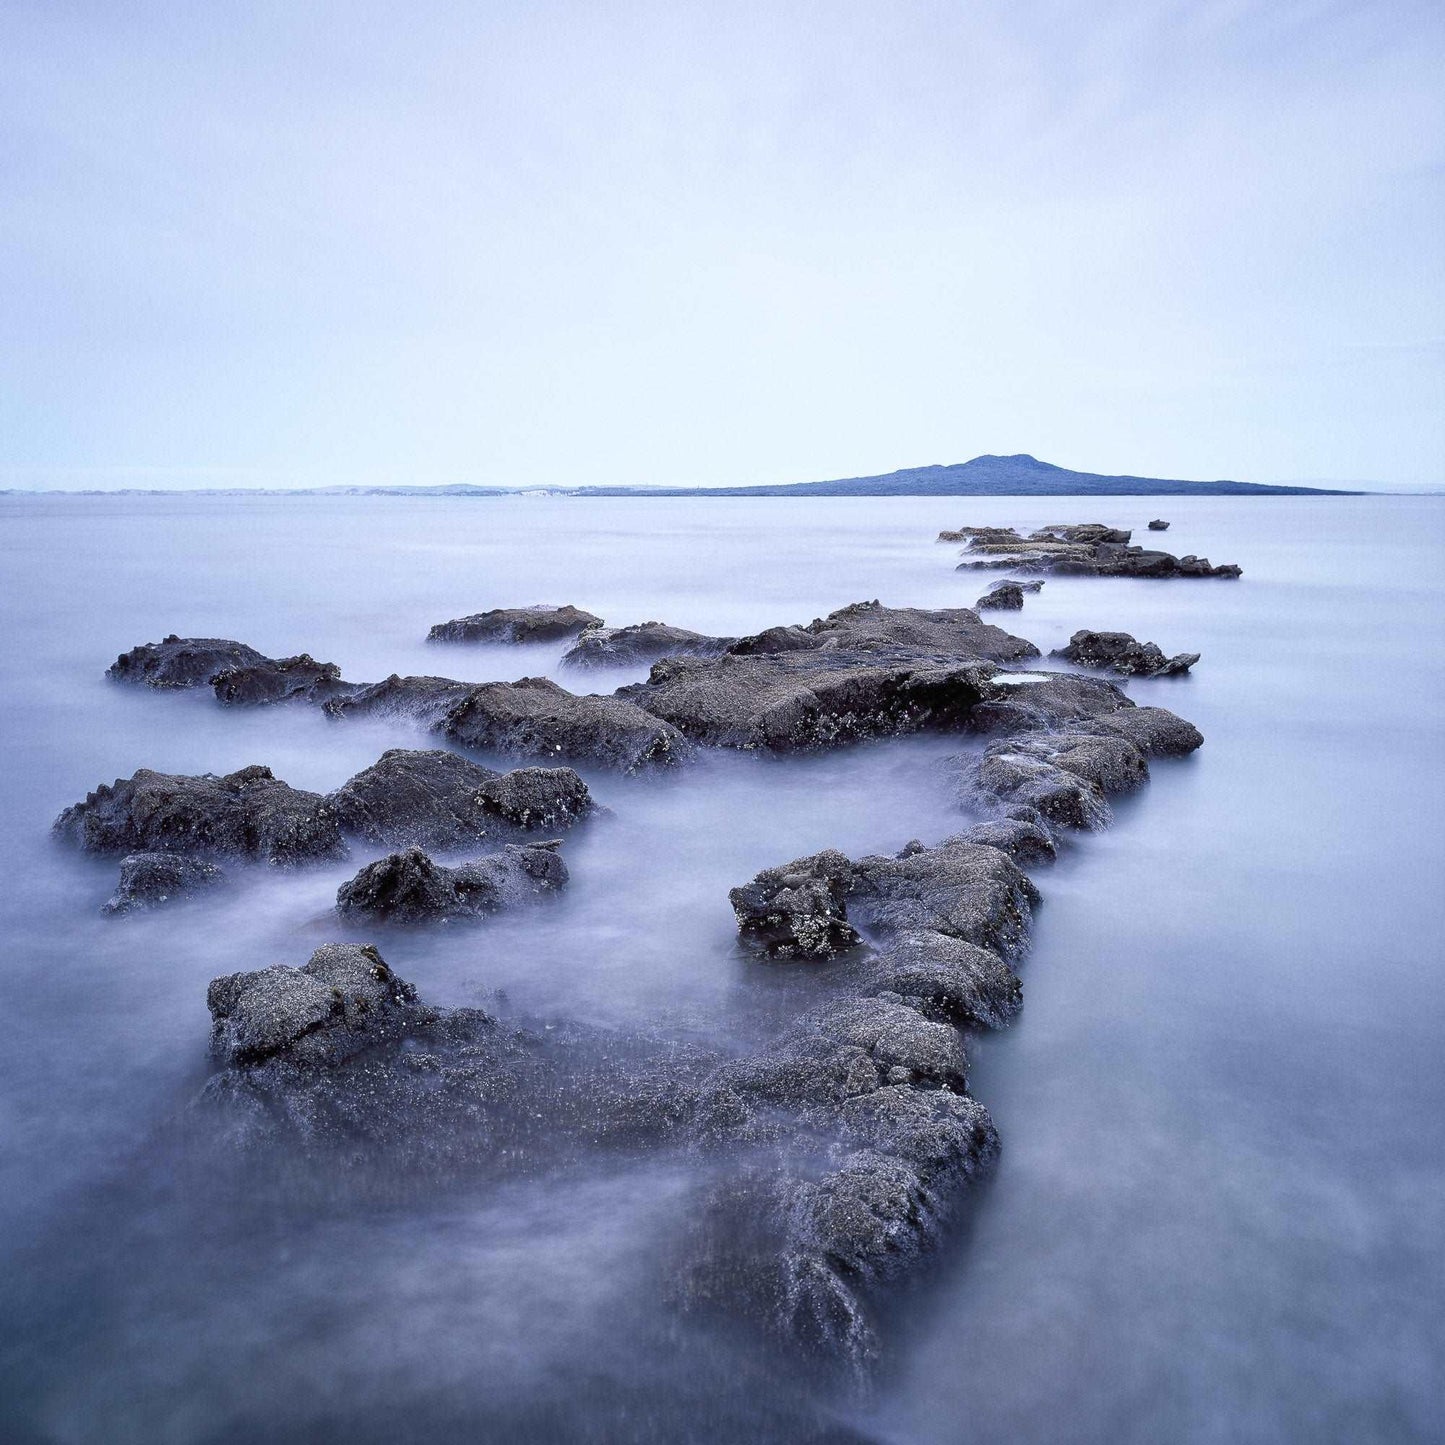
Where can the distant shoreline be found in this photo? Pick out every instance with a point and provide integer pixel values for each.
(985, 476)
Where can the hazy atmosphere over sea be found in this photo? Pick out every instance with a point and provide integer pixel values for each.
(567, 243)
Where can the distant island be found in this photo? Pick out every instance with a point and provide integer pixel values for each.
(985, 476)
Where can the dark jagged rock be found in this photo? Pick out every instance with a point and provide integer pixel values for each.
(246, 814)
(962, 889)
(1024, 838)
(1002, 597)
(1155, 731)
(1119, 652)
(182, 661)
(1158, 525)
(1067, 777)
(515, 624)
(236, 673)
(1088, 549)
(344, 1000)
(535, 718)
(280, 680)
(864, 671)
(1024, 702)
(532, 717)
(148, 880)
(966, 890)
(948, 978)
(409, 887)
(436, 799)
(643, 642)
(945, 634)
(427, 700)
(798, 910)
(797, 701)
(876, 1079)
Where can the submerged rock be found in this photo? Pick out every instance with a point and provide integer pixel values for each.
(247, 814)
(409, 887)
(642, 642)
(148, 880)
(515, 624)
(1119, 652)
(182, 661)
(436, 799)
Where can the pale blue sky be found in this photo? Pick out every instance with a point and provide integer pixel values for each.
(538, 243)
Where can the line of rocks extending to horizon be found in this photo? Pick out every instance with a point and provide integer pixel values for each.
(1088, 549)
(848, 1139)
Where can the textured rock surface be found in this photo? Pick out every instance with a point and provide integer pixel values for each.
(533, 717)
(536, 718)
(436, 799)
(246, 814)
(1003, 597)
(1119, 652)
(148, 880)
(1087, 549)
(237, 673)
(642, 642)
(1158, 525)
(343, 1000)
(864, 671)
(410, 887)
(182, 661)
(280, 680)
(515, 624)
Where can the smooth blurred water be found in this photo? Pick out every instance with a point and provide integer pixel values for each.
(1221, 1205)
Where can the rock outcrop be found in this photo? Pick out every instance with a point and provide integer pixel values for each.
(148, 880)
(281, 680)
(1120, 653)
(410, 887)
(1089, 549)
(436, 799)
(235, 672)
(1002, 597)
(249, 814)
(515, 624)
(643, 642)
(1158, 525)
(343, 1000)
(533, 717)
(864, 671)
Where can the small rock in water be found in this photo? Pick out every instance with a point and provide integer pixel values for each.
(1158, 525)
(515, 624)
(1119, 652)
(409, 887)
(150, 879)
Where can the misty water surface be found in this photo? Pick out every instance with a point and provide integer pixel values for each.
(1221, 1202)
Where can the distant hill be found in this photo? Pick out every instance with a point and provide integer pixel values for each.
(986, 476)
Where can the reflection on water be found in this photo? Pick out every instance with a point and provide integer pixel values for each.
(1220, 1205)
